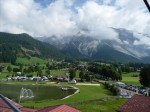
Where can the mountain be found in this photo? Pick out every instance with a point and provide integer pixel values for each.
(23, 45)
(79, 46)
(124, 50)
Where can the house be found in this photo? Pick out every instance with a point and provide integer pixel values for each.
(59, 108)
(138, 103)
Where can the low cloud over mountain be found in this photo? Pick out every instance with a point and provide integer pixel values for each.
(120, 24)
(128, 48)
(61, 18)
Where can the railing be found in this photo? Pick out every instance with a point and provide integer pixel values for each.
(12, 106)
(147, 4)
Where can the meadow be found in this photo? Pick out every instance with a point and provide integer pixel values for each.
(31, 60)
(130, 79)
(110, 105)
(86, 93)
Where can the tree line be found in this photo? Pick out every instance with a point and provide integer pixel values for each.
(23, 45)
(145, 76)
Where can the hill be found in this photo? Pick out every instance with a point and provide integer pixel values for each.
(23, 45)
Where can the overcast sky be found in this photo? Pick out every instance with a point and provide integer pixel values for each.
(67, 17)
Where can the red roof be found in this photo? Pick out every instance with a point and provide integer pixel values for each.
(5, 108)
(3, 104)
(137, 103)
(59, 108)
(24, 109)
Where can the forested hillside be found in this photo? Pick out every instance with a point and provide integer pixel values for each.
(23, 45)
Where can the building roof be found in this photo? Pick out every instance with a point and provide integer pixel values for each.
(138, 103)
(24, 109)
(59, 108)
(5, 108)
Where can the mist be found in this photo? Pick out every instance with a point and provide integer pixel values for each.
(65, 18)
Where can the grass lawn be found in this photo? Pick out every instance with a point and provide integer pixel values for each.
(129, 74)
(110, 105)
(86, 93)
(4, 74)
(61, 73)
(57, 72)
(77, 73)
(129, 79)
(31, 60)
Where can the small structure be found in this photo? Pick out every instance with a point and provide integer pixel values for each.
(138, 103)
(18, 73)
(59, 108)
(73, 81)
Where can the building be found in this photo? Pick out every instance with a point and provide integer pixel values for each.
(138, 103)
(4, 107)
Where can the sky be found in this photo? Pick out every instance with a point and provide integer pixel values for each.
(63, 18)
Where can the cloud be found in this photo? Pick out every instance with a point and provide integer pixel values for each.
(19, 16)
(66, 18)
(141, 40)
(90, 16)
(134, 15)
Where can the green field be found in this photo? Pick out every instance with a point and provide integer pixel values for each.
(129, 79)
(5, 73)
(32, 60)
(86, 93)
(58, 72)
(110, 105)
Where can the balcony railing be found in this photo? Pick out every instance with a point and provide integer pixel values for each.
(10, 104)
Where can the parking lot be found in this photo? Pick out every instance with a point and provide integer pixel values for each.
(129, 90)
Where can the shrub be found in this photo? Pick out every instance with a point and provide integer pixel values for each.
(112, 88)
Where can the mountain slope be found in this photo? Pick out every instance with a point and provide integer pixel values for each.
(124, 50)
(23, 45)
(108, 53)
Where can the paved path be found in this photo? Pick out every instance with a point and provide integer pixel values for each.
(86, 84)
